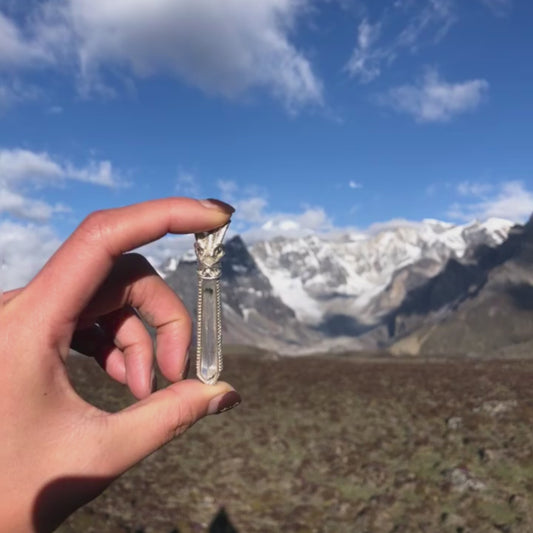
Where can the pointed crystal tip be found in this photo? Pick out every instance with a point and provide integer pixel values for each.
(209, 376)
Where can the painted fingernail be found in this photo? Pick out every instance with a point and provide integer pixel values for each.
(224, 402)
(212, 203)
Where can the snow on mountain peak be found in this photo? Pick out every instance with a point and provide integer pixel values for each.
(315, 274)
(497, 227)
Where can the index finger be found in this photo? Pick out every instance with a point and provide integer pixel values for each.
(68, 281)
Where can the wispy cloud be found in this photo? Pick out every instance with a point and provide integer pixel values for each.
(355, 184)
(406, 27)
(224, 48)
(365, 62)
(510, 200)
(431, 99)
(379, 44)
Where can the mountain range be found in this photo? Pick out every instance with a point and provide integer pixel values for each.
(408, 288)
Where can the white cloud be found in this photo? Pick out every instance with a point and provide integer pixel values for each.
(224, 48)
(23, 171)
(432, 99)
(295, 224)
(314, 219)
(511, 201)
(413, 25)
(19, 165)
(23, 251)
(20, 206)
(23, 165)
(251, 210)
(310, 220)
(355, 185)
(96, 172)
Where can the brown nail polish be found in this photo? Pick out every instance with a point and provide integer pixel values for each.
(212, 203)
(224, 402)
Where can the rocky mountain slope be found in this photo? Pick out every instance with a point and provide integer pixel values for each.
(482, 307)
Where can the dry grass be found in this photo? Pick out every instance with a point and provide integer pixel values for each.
(338, 445)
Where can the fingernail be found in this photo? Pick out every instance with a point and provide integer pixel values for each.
(212, 203)
(224, 402)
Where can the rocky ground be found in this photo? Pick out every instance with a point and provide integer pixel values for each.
(337, 445)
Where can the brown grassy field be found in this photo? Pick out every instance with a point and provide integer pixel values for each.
(337, 445)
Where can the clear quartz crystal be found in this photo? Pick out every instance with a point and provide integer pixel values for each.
(209, 336)
(209, 250)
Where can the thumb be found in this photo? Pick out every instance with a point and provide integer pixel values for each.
(144, 427)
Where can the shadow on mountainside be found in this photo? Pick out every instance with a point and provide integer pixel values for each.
(459, 281)
(522, 295)
(338, 325)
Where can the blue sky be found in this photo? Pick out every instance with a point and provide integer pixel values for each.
(318, 114)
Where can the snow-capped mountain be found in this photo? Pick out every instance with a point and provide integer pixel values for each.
(345, 273)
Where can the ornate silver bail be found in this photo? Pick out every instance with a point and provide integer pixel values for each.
(209, 251)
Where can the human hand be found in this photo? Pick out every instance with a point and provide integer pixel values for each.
(58, 452)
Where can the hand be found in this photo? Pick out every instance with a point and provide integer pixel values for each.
(58, 452)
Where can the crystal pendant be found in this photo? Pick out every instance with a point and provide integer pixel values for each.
(209, 250)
